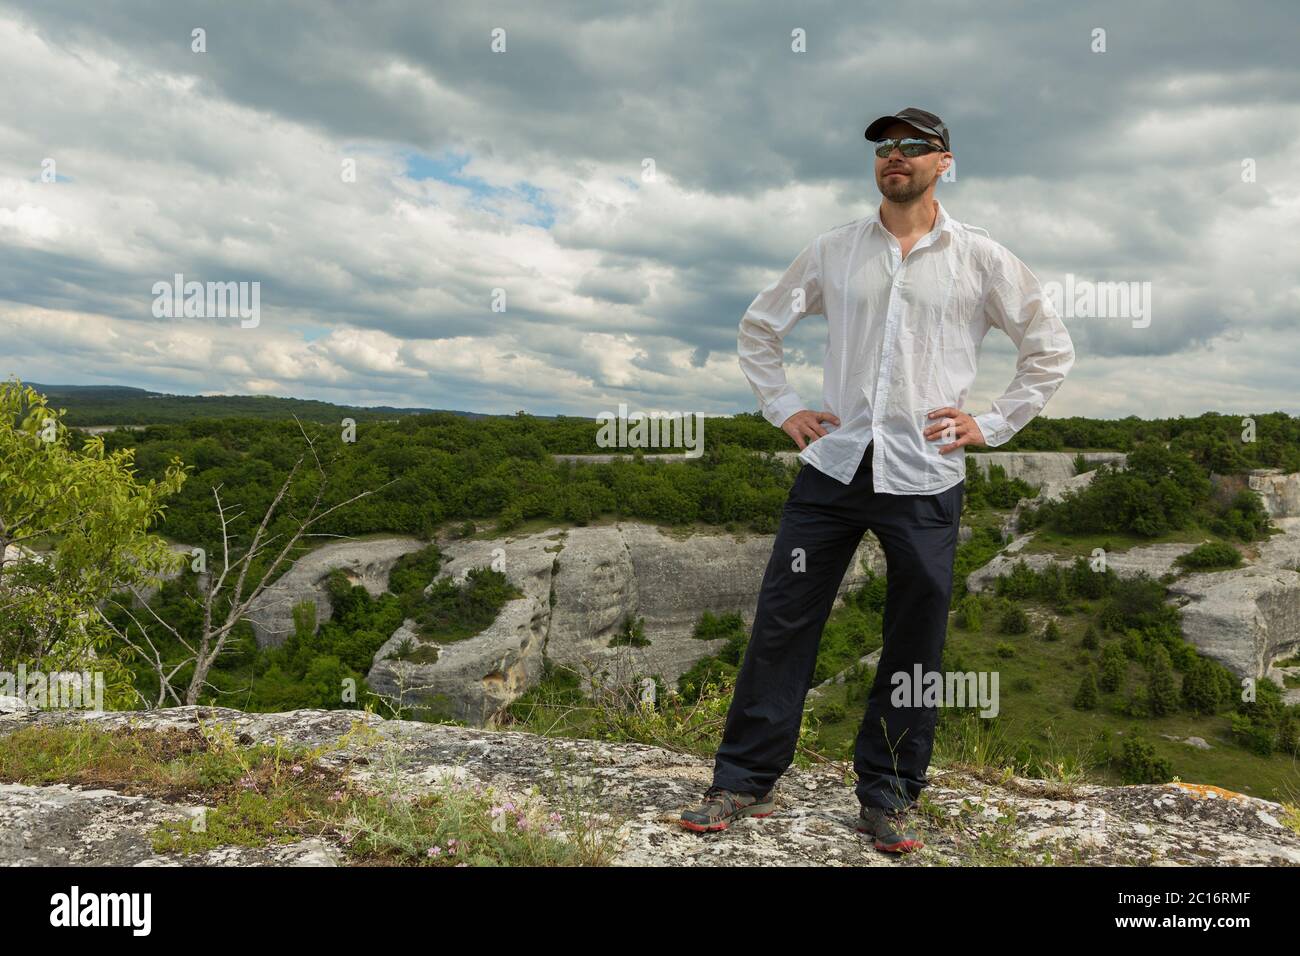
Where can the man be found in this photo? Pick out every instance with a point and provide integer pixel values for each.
(908, 294)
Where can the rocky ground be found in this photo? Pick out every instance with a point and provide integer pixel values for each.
(969, 820)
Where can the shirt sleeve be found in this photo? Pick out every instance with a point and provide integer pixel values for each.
(767, 321)
(1015, 303)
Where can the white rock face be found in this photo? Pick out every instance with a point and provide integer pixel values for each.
(1280, 492)
(1248, 618)
(1244, 619)
(1282, 550)
(596, 578)
(367, 562)
(1042, 467)
(474, 678)
(1155, 560)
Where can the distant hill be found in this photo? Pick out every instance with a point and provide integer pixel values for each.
(90, 405)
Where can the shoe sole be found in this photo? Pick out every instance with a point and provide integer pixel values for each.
(753, 810)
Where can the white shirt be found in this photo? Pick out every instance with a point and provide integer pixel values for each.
(903, 339)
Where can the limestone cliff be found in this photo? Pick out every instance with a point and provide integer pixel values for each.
(580, 586)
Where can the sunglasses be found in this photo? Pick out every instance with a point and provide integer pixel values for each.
(908, 147)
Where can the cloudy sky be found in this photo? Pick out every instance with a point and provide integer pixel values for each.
(524, 171)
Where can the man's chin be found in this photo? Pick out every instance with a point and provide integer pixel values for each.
(901, 193)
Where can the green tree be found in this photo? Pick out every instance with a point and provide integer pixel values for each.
(1091, 639)
(1087, 697)
(1014, 620)
(1162, 685)
(74, 527)
(1201, 688)
(1114, 664)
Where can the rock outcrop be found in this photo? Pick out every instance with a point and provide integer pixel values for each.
(643, 790)
(1155, 560)
(1279, 491)
(1248, 618)
(1042, 467)
(1245, 619)
(580, 587)
(1282, 550)
(366, 561)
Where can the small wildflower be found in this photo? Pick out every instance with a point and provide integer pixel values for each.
(434, 851)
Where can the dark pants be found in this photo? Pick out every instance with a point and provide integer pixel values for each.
(825, 520)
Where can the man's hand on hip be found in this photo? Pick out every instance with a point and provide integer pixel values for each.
(956, 424)
(805, 427)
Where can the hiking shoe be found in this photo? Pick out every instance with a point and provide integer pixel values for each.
(891, 831)
(721, 806)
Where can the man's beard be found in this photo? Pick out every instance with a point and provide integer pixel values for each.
(903, 192)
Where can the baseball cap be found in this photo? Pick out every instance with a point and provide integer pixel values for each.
(922, 119)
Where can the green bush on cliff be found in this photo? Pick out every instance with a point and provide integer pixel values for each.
(1211, 556)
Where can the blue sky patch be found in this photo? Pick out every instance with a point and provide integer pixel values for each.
(450, 168)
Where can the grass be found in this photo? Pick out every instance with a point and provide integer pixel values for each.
(1046, 541)
(1038, 732)
(588, 705)
(263, 795)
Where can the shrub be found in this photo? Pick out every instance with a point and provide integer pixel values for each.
(1114, 664)
(1213, 555)
(1014, 620)
(1201, 689)
(970, 613)
(1087, 697)
(1162, 686)
(1138, 763)
(632, 634)
(1091, 640)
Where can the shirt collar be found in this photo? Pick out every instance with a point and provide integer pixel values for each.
(942, 223)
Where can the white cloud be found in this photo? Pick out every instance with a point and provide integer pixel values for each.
(227, 166)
